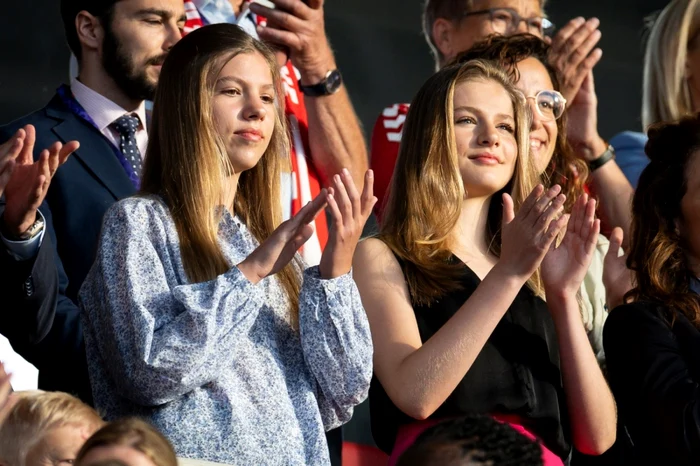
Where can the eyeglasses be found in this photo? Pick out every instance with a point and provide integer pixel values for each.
(507, 21)
(549, 104)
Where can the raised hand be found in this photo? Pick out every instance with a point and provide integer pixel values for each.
(565, 265)
(527, 236)
(617, 278)
(9, 151)
(30, 181)
(298, 25)
(349, 213)
(573, 55)
(6, 399)
(281, 246)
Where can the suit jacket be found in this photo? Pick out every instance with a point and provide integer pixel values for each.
(81, 191)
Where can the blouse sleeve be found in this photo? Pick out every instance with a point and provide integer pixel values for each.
(159, 342)
(337, 344)
(652, 381)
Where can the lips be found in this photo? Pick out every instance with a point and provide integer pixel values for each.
(252, 135)
(536, 144)
(485, 158)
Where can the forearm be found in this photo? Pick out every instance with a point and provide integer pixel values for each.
(589, 399)
(425, 378)
(335, 136)
(611, 187)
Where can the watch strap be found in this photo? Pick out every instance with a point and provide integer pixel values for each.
(604, 158)
(322, 88)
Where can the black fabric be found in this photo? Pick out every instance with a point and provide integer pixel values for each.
(516, 373)
(81, 191)
(654, 373)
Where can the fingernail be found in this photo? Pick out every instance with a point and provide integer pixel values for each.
(259, 29)
(346, 171)
(593, 21)
(370, 173)
(579, 21)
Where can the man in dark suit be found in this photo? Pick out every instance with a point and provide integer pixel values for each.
(120, 46)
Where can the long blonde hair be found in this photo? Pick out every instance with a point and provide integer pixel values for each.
(187, 163)
(666, 93)
(426, 191)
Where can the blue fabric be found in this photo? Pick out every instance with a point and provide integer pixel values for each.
(126, 126)
(630, 155)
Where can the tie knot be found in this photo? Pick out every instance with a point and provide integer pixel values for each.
(126, 124)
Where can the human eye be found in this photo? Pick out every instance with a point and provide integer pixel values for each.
(268, 99)
(231, 91)
(153, 20)
(466, 120)
(507, 127)
(503, 15)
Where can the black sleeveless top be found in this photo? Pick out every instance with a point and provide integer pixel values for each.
(516, 373)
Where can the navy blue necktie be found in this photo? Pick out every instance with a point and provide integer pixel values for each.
(126, 126)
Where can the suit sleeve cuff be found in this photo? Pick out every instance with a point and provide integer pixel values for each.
(25, 250)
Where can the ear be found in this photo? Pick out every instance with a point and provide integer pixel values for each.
(89, 29)
(443, 32)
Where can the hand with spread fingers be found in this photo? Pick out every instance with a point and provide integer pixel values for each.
(9, 151)
(30, 181)
(299, 26)
(281, 246)
(349, 211)
(573, 54)
(565, 265)
(526, 236)
(617, 278)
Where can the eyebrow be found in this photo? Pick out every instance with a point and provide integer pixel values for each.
(235, 80)
(476, 110)
(165, 14)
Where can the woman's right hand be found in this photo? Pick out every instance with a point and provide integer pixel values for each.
(527, 236)
(281, 246)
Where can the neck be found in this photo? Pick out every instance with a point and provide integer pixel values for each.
(94, 76)
(470, 233)
(230, 189)
(236, 4)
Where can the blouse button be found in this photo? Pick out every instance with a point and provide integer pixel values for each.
(332, 287)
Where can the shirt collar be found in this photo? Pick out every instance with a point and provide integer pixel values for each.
(102, 110)
(221, 11)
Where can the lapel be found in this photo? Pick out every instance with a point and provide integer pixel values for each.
(95, 151)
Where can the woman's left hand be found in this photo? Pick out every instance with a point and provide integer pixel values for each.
(565, 266)
(349, 213)
(582, 122)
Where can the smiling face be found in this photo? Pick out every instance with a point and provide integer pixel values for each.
(484, 129)
(543, 134)
(244, 109)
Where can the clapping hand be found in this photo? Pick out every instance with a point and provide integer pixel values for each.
(30, 181)
(349, 213)
(617, 278)
(281, 246)
(565, 265)
(8, 155)
(526, 236)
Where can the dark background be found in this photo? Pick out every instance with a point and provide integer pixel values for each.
(381, 53)
(378, 44)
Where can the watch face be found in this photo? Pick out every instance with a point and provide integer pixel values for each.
(333, 81)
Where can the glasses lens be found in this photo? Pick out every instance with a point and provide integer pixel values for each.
(501, 21)
(550, 104)
(547, 26)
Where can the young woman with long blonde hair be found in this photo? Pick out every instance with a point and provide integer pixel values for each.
(198, 316)
(454, 285)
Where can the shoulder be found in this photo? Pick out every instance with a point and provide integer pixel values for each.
(39, 119)
(137, 211)
(636, 319)
(373, 252)
(629, 140)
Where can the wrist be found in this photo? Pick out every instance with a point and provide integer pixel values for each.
(505, 275)
(250, 271)
(315, 71)
(591, 150)
(14, 230)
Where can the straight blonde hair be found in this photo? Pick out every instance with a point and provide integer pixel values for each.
(187, 164)
(666, 93)
(426, 192)
(34, 415)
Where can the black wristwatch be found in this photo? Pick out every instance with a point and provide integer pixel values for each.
(330, 85)
(604, 158)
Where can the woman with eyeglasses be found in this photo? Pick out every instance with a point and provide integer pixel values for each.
(455, 283)
(525, 57)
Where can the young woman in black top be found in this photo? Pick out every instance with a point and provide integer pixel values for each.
(453, 286)
(653, 342)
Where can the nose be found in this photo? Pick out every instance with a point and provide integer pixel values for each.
(522, 27)
(173, 34)
(254, 109)
(488, 136)
(535, 117)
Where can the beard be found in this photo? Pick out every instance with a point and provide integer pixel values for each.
(131, 77)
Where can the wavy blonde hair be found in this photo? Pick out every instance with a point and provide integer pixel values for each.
(187, 164)
(34, 415)
(426, 192)
(666, 93)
